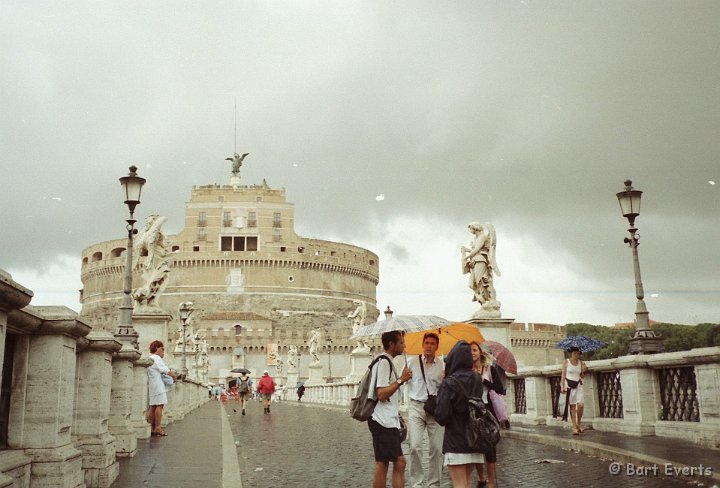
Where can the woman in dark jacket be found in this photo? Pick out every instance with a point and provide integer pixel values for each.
(451, 412)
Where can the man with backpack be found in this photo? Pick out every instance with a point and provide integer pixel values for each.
(384, 423)
(244, 390)
(266, 387)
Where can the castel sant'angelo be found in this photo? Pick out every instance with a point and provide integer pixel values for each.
(254, 283)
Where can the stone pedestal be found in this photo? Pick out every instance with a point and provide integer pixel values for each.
(151, 325)
(315, 374)
(494, 329)
(138, 417)
(292, 379)
(43, 395)
(92, 410)
(121, 401)
(537, 398)
(639, 395)
(359, 362)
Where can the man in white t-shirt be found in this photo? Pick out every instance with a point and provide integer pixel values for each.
(384, 423)
(427, 375)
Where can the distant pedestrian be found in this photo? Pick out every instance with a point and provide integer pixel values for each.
(427, 370)
(384, 423)
(266, 388)
(573, 371)
(452, 412)
(300, 392)
(157, 389)
(244, 390)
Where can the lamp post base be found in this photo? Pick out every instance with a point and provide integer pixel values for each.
(645, 341)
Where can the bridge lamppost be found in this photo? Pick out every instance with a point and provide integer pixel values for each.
(185, 310)
(328, 345)
(132, 187)
(645, 340)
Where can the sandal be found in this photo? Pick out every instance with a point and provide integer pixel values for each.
(162, 433)
(576, 432)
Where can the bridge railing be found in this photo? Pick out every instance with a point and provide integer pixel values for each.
(73, 399)
(669, 394)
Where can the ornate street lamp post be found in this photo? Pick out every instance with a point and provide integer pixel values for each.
(132, 187)
(328, 345)
(185, 311)
(645, 340)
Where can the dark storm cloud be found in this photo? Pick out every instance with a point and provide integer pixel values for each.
(526, 114)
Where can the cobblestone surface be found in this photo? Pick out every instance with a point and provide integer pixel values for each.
(298, 446)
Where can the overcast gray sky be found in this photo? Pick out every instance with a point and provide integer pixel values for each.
(526, 114)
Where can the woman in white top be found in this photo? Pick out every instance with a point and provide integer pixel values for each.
(573, 371)
(157, 391)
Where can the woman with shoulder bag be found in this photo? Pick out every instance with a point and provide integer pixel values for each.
(482, 359)
(452, 412)
(573, 371)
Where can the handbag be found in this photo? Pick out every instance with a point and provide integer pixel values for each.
(431, 401)
(403, 430)
(499, 406)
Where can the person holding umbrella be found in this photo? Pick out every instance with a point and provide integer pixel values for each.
(573, 370)
(244, 389)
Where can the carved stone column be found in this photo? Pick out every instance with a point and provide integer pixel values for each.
(14, 465)
(138, 418)
(92, 409)
(121, 401)
(42, 400)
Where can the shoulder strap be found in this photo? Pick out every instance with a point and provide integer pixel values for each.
(422, 368)
(392, 366)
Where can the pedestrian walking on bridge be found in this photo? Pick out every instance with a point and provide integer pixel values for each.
(427, 374)
(384, 423)
(266, 388)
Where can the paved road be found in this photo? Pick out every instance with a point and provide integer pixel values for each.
(299, 446)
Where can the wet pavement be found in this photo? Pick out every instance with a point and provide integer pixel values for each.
(299, 445)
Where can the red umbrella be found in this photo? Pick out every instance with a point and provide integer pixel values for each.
(503, 357)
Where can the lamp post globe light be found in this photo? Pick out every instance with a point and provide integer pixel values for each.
(132, 187)
(644, 340)
(185, 309)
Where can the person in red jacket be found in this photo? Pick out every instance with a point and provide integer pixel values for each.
(266, 387)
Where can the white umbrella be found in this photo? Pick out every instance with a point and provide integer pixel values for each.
(404, 323)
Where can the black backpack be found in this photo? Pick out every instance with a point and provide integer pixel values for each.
(243, 386)
(362, 407)
(483, 430)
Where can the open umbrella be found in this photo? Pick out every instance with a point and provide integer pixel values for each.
(240, 370)
(404, 323)
(449, 336)
(503, 357)
(584, 343)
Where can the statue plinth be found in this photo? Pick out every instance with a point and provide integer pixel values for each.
(494, 329)
(315, 374)
(360, 359)
(150, 325)
(292, 377)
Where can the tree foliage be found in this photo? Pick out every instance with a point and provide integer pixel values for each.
(676, 337)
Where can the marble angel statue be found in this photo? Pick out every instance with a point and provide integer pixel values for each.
(478, 261)
(156, 265)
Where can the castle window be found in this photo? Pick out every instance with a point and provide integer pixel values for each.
(238, 243)
(85, 260)
(277, 237)
(277, 220)
(282, 248)
(227, 219)
(238, 329)
(201, 234)
(117, 252)
(175, 248)
(372, 262)
(196, 248)
(252, 219)
(202, 219)
(97, 256)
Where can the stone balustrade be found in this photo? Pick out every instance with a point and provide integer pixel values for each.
(670, 394)
(73, 399)
(673, 394)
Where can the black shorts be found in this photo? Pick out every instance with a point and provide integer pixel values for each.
(386, 442)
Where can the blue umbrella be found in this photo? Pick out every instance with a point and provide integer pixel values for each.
(584, 343)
